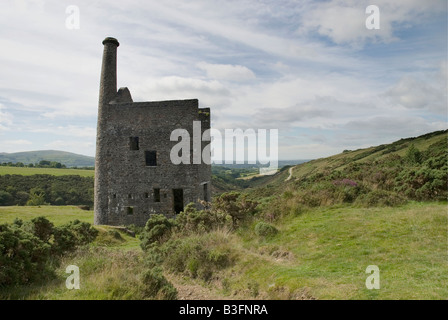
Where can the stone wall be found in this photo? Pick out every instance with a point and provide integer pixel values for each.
(131, 182)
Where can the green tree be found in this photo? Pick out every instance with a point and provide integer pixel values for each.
(37, 198)
(5, 198)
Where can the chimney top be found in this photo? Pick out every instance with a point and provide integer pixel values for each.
(111, 40)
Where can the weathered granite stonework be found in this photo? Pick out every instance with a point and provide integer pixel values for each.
(134, 176)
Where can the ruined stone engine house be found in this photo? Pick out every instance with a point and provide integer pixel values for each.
(134, 176)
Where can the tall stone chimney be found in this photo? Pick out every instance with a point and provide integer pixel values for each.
(108, 90)
(108, 82)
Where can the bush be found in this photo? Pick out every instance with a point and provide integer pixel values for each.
(196, 256)
(157, 286)
(64, 240)
(192, 220)
(237, 206)
(157, 230)
(84, 232)
(25, 248)
(264, 229)
(23, 256)
(42, 228)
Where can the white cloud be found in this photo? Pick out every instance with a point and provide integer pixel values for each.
(425, 92)
(392, 127)
(343, 21)
(73, 131)
(76, 146)
(16, 145)
(227, 72)
(210, 92)
(6, 119)
(17, 142)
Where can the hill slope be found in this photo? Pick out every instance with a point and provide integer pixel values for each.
(408, 169)
(67, 158)
(378, 153)
(437, 139)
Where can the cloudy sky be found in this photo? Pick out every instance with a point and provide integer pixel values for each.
(310, 69)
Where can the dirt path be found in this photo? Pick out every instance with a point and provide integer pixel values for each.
(290, 174)
(187, 290)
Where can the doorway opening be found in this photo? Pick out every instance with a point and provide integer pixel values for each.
(178, 200)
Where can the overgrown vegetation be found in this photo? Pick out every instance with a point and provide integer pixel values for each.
(389, 180)
(30, 250)
(45, 189)
(195, 243)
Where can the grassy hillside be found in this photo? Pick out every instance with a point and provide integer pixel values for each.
(378, 153)
(413, 168)
(67, 158)
(324, 253)
(319, 254)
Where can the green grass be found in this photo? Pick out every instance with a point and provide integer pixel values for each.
(332, 247)
(322, 253)
(105, 274)
(57, 214)
(25, 171)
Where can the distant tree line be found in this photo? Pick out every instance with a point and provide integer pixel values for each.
(42, 164)
(41, 189)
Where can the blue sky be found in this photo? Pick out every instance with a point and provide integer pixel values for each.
(310, 69)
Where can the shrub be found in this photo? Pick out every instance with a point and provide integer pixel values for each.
(235, 205)
(345, 182)
(23, 256)
(197, 256)
(192, 220)
(42, 228)
(75, 233)
(25, 248)
(84, 232)
(264, 229)
(64, 240)
(157, 230)
(157, 286)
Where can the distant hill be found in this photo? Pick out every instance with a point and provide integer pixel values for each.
(67, 158)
